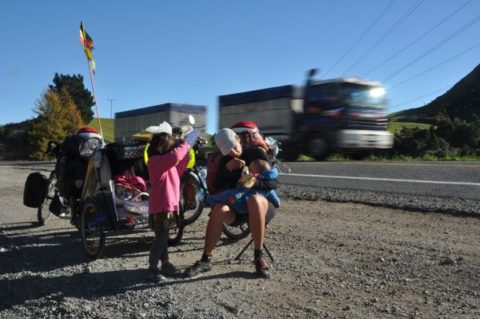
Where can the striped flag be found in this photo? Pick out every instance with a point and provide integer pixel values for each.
(87, 43)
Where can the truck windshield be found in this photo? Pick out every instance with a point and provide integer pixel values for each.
(334, 95)
(360, 95)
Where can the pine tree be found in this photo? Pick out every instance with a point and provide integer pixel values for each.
(82, 97)
(58, 116)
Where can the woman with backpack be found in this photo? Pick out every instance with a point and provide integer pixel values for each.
(260, 211)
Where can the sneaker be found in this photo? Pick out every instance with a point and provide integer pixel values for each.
(261, 268)
(155, 275)
(169, 270)
(198, 268)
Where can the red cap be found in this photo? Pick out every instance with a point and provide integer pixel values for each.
(87, 129)
(244, 125)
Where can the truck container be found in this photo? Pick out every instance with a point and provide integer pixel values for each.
(345, 115)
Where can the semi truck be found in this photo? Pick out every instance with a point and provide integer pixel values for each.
(344, 115)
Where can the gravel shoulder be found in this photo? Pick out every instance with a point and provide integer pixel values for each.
(332, 260)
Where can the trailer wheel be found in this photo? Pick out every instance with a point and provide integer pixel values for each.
(43, 211)
(236, 232)
(92, 229)
(318, 149)
(190, 213)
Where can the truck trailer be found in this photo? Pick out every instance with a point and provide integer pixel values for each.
(134, 121)
(345, 115)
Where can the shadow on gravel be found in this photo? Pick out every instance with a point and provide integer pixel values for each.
(61, 248)
(205, 277)
(90, 285)
(126, 247)
(19, 226)
(78, 285)
(28, 253)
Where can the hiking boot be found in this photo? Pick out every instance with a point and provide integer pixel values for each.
(261, 268)
(154, 275)
(169, 270)
(198, 268)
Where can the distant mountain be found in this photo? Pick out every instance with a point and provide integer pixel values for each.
(461, 102)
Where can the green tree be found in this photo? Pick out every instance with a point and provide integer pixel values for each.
(82, 97)
(58, 116)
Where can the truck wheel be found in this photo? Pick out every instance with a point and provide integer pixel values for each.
(288, 155)
(358, 156)
(317, 148)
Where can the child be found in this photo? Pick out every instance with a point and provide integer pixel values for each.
(237, 197)
(166, 163)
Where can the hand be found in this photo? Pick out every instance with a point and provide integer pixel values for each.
(192, 137)
(230, 199)
(235, 163)
(248, 180)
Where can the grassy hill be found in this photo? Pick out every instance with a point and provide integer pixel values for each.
(447, 127)
(461, 102)
(108, 127)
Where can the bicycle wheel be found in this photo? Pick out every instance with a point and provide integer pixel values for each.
(92, 229)
(237, 231)
(191, 201)
(43, 211)
(175, 231)
(191, 212)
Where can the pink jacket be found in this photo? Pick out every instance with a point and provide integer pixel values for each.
(165, 171)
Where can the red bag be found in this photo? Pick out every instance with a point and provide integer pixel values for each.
(213, 161)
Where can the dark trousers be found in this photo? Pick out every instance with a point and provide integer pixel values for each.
(159, 223)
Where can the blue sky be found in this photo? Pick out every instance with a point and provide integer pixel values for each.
(154, 52)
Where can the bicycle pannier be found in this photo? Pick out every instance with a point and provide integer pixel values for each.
(35, 190)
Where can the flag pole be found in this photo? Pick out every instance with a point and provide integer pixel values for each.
(95, 100)
(87, 44)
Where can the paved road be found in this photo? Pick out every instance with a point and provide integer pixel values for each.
(440, 179)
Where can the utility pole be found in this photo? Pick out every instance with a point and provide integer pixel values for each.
(111, 108)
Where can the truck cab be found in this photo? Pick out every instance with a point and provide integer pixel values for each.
(345, 115)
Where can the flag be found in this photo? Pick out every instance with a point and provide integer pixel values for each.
(87, 43)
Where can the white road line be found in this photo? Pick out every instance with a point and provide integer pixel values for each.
(383, 179)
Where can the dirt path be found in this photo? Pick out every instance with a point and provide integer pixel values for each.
(332, 260)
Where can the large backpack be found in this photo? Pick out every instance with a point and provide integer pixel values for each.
(250, 135)
(71, 168)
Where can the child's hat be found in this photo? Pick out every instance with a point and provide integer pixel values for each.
(225, 139)
(164, 127)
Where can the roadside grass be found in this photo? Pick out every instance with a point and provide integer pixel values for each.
(108, 128)
(396, 127)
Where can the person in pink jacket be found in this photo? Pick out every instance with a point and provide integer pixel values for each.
(166, 162)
